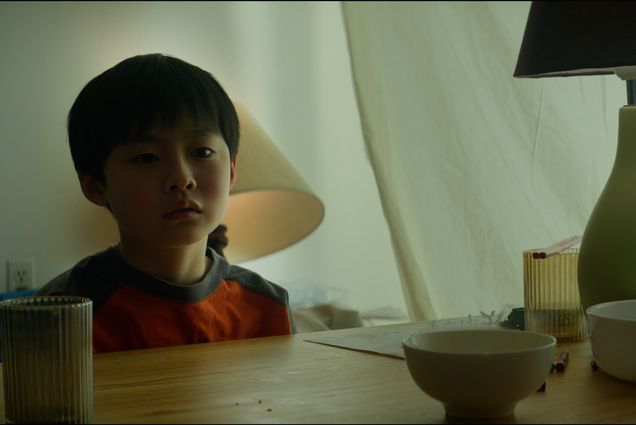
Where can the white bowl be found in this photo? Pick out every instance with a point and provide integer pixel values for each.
(479, 373)
(613, 334)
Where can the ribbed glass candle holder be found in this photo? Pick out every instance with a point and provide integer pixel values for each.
(552, 303)
(47, 359)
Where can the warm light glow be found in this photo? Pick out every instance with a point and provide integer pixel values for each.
(263, 222)
(271, 207)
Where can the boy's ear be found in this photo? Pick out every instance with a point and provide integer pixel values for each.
(232, 171)
(93, 189)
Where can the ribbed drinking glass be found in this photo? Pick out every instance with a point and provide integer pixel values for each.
(551, 295)
(47, 359)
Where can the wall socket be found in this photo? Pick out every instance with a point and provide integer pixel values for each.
(20, 275)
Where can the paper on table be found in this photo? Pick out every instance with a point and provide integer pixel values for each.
(388, 340)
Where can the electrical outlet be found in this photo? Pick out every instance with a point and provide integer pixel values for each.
(20, 275)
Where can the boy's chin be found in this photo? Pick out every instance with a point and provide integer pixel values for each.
(181, 241)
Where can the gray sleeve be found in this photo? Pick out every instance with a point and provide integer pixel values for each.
(258, 284)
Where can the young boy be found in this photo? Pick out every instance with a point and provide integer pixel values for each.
(154, 139)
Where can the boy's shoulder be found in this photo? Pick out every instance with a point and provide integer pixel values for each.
(99, 274)
(94, 268)
(256, 283)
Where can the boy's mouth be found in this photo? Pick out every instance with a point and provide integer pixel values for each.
(182, 208)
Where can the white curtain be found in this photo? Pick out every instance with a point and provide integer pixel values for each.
(472, 165)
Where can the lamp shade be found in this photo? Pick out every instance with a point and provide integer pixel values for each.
(270, 207)
(565, 38)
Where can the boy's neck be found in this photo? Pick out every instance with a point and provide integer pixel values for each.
(182, 265)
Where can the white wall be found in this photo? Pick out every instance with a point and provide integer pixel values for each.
(288, 62)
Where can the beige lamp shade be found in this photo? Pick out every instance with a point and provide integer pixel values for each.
(270, 207)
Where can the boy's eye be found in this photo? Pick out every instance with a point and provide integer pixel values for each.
(144, 158)
(202, 152)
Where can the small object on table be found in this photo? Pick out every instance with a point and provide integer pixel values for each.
(594, 365)
(563, 361)
(515, 319)
(557, 247)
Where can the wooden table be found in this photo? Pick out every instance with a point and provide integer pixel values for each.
(286, 379)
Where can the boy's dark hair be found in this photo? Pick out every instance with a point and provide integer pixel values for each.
(128, 99)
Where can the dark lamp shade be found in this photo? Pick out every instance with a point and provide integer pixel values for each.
(565, 38)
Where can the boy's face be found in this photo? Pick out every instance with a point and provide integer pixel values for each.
(168, 188)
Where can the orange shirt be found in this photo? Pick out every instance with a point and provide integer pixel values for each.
(132, 310)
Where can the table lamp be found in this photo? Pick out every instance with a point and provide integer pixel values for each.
(569, 38)
(270, 207)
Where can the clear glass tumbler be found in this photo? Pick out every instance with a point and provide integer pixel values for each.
(551, 295)
(47, 359)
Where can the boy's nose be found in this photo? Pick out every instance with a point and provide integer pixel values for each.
(179, 178)
(190, 185)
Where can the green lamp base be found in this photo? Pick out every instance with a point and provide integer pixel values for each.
(607, 257)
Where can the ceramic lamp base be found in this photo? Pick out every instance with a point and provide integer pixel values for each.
(607, 257)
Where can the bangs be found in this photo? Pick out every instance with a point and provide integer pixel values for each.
(160, 98)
